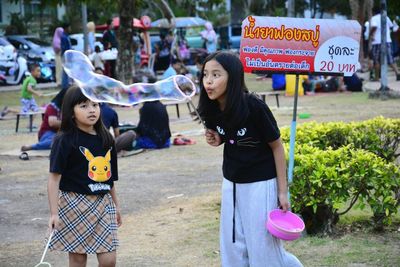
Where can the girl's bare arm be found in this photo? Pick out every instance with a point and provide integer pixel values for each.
(280, 165)
(117, 207)
(52, 191)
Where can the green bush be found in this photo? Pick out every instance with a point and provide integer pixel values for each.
(345, 163)
(380, 136)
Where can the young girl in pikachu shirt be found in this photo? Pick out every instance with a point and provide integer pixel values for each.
(82, 196)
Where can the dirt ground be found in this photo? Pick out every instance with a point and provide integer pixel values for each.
(168, 197)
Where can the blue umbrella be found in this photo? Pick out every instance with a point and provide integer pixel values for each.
(181, 22)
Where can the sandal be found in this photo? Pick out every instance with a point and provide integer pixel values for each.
(24, 156)
(4, 111)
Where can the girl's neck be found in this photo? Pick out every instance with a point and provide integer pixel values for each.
(86, 128)
(221, 103)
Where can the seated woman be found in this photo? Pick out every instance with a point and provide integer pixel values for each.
(153, 128)
(50, 124)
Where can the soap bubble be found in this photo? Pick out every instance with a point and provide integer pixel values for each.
(101, 88)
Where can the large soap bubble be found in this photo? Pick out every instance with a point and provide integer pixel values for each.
(101, 88)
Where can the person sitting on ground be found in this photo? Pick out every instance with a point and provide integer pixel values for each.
(353, 83)
(153, 129)
(313, 83)
(124, 141)
(324, 84)
(50, 124)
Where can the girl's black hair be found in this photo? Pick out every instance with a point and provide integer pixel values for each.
(58, 99)
(73, 97)
(236, 108)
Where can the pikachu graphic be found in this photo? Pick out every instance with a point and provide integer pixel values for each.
(99, 167)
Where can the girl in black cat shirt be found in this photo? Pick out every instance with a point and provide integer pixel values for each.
(82, 197)
(253, 167)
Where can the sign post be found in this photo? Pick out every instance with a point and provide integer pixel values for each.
(299, 46)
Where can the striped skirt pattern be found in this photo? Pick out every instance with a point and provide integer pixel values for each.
(88, 224)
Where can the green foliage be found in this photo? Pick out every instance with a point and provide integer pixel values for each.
(380, 136)
(339, 164)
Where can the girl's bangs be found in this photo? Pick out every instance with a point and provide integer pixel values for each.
(78, 97)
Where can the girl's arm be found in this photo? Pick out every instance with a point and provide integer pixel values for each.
(118, 210)
(280, 165)
(52, 191)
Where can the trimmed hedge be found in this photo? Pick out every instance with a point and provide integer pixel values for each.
(379, 135)
(337, 163)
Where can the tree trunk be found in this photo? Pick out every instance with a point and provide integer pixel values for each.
(74, 15)
(361, 11)
(165, 9)
(125, 34)
(321, 222)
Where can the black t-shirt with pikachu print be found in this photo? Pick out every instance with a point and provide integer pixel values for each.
(86, 167)
(247, 155)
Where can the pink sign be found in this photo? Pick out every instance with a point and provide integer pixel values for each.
(298, 45)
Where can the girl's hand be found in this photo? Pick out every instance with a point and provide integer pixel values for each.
(212, 137)
(119, 218)
(283, 201)
(54, 222)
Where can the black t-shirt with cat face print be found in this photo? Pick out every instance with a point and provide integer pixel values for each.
(86, 167)
(247, 155)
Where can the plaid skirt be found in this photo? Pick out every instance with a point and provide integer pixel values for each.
(87, 224)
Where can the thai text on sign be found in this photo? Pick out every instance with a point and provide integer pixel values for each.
(297, 45)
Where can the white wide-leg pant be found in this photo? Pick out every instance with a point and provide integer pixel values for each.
(254, 246)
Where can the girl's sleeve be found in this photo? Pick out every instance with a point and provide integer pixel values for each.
(114, 163)
(59, 155)
(266, 122)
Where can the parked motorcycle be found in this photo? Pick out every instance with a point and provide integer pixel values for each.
(13, 71)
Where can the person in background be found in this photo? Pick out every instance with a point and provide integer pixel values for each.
(183, 48)
(353, 83)
(376, 41)
(91, 38)
(163, 52)
(210, 38)
(50, 124)
(97, 61)
(110, 42)
(28, 103)
(278, 82)
(153, 128)
(28, 90)
(109, 116)
(173, 69)
(65, 45)
(57, 52)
